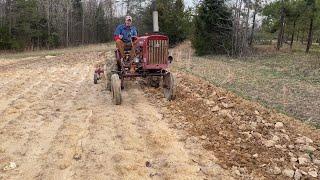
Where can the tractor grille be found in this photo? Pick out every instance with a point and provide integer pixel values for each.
(158, 52)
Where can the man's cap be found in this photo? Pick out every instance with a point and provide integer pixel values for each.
(128, 18)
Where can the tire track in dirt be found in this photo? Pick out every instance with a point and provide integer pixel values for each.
(37, 124)
(123, 139)
(66, 145)
(10, 80)
(15, 106)
(22, 78)
(12, 93)
(150, 140)
(49, 130)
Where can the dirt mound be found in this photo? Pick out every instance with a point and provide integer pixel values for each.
(245, 137)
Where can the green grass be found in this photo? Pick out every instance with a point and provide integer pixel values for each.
(287, 81)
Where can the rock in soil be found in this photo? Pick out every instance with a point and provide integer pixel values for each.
(278, 125)
(304, 140)
(304, 160)
(10, 166)
(288, 173)
(276, 170)
(269, 143)
(297, 175)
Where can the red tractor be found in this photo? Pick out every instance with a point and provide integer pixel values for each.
(151, 61)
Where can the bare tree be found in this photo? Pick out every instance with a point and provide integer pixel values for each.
(256, 9)
(282, 24)
(309, 43)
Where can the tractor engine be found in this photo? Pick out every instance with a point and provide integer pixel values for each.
(138, 59)
(151, 55)
(153, 52)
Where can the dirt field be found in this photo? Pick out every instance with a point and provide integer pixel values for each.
(55, 124)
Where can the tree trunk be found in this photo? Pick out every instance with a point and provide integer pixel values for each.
(67, 37)
(253, 26)
(292, 36)
(302, 37)
(38, 42)
(128, 7)
(8, 13)
(245, 34)
(281, 31)
(48, 20)
(239, 31)
(82, 35)
(309, 44)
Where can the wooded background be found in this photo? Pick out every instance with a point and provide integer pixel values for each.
(214, 26)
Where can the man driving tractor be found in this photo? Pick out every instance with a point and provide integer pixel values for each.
(126, 36)
(144, 57)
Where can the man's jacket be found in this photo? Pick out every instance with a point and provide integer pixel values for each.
(127, 33)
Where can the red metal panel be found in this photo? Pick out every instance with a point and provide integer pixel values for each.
(156, 51)
(154, 57)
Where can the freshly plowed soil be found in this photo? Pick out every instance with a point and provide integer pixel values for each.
(56, 124)
(237, 131)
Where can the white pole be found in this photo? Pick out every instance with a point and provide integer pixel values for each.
(155, 21)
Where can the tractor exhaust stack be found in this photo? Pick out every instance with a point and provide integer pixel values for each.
(155, 16)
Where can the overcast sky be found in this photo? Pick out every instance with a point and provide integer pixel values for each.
(189, 2)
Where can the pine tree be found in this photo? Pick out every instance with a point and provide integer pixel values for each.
(212, 28)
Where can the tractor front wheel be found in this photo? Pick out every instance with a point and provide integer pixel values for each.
(116, 89)
(113, 68)
(169, 86)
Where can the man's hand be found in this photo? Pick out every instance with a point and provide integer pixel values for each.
(134, 38)
(120, 36)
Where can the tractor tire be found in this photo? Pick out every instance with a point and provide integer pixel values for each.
(116, 89)
(95, 78)
(113, 67)
(169, 86)
(154, 81)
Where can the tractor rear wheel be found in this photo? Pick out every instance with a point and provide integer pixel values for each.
(116, 89)
(169, 86)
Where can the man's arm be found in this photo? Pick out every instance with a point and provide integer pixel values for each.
(134, 32)
(117, 33)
